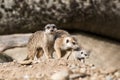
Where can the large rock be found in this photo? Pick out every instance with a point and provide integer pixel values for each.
(11, 41)
(96, 16)
(13, 47)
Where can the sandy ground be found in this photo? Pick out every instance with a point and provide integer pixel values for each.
(45, 69)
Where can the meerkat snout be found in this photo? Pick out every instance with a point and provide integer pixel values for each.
(50, 28)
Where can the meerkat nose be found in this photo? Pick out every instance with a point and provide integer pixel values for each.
(52, 30)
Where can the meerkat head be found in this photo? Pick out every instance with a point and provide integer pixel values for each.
(84, 54)
(70, 42)
(50, 28)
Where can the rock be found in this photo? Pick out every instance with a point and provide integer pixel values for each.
(96, 16)
(5, 58)
(13, 47)
(18, 54)
(61, 75)
(117, 74)
(11, 41)
(26, 77)
(109, 77)
(74, 76)
(83, 70)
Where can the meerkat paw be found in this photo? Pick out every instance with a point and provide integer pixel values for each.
(36, 61)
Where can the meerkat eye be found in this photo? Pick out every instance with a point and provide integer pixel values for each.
(85, 54)
(67, 41)
(81, 52)
(54, 27)
(73, 43)
(48, 27)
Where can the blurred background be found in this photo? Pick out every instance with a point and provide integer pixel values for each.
(96, 23)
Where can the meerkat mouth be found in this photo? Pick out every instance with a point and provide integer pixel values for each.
(81, 58)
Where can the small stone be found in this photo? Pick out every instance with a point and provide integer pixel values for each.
(31, 66)
(26, 77)
(74, 76)
(14, 61)
(83, 70)
(75, 70)
(109, 77)
(73, 66)
(61, 75)
(117, 74)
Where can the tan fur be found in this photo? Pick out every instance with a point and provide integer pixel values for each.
(61, 33)
(64, 44)
(40, 42)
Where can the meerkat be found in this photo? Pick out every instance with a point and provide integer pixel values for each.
(59, 33)
(64, 44)
(80, 54)
(42, 42)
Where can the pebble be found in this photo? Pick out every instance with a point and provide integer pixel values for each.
(83, 70)
(109, 77)
(31, 66)
(74, 76)
(73, 66)
(26, 77)
(61, 75)
(117, 74)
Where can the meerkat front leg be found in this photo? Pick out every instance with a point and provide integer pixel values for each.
(66, 56)
(38, 56)
(40, 53)
(51, 52)
(32, 54)
(58, 53)
(46, 52)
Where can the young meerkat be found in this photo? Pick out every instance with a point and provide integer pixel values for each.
(80, 54)
(42, 42)
(64, 44)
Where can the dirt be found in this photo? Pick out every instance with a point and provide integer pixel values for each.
(45, 69)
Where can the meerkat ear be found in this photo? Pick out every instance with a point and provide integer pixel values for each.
(74, 38)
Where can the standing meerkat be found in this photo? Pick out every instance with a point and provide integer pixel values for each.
(64, 44)
(42, 42)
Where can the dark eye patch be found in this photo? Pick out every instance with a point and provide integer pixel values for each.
(54, 27)
(81, 52)
(85, 54)
(67, 41)
(47, 27)
(73, 43)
